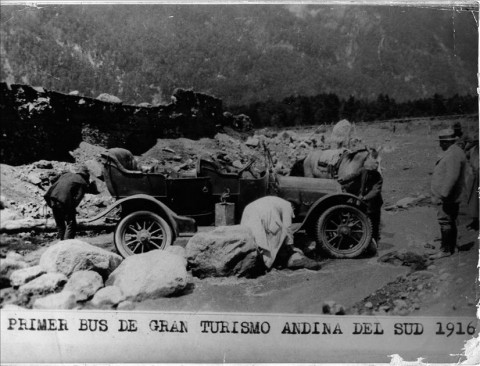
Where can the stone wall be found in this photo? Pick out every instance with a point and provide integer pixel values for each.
(40, 124)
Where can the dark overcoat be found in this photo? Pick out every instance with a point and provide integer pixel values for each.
(68, 191)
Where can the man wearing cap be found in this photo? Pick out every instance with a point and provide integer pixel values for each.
(447, 186)
(64, 196)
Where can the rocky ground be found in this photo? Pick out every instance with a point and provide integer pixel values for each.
(400, 280)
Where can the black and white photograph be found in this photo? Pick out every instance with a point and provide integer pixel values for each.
(239, 183)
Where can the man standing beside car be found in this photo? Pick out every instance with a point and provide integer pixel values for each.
(367, 185)
(447, 187)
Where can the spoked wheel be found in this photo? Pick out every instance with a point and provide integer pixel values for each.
(343, 231)
(140, 232)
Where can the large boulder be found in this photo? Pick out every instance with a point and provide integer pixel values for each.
(15, 256)
(224, 251)
(157, 273)
(62, 300)
(107, 296)
(24, 275)
(8, 265)
(47, 283)
(84, 284)
(73, 255)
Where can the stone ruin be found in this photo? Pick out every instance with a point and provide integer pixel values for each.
(41, 124)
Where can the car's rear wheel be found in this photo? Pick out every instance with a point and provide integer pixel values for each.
(343, 231)
(141, 232)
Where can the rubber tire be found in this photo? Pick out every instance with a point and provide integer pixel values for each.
(352, 253)
(122, 249)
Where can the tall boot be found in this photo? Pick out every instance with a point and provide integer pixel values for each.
(445, 246)
(452, 240)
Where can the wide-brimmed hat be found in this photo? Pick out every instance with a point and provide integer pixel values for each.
(447, 135)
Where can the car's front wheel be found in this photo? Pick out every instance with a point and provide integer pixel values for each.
(343, 231)
(140, 232)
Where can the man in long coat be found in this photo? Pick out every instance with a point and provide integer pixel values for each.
(64, 196)
(447, 187)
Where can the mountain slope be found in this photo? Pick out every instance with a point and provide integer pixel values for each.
(240, 54)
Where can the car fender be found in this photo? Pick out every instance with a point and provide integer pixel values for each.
(143, 202)
(326, 202)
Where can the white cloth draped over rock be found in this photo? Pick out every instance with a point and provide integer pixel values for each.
(269, 219)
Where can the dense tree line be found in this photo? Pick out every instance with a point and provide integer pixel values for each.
(329, 108)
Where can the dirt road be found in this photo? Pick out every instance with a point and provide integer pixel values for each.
(446, 287)
(365, 285)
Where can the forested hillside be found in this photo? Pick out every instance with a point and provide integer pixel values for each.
(328, 108)
(241, 54)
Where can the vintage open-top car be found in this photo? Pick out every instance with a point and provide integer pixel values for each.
(155, 210)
